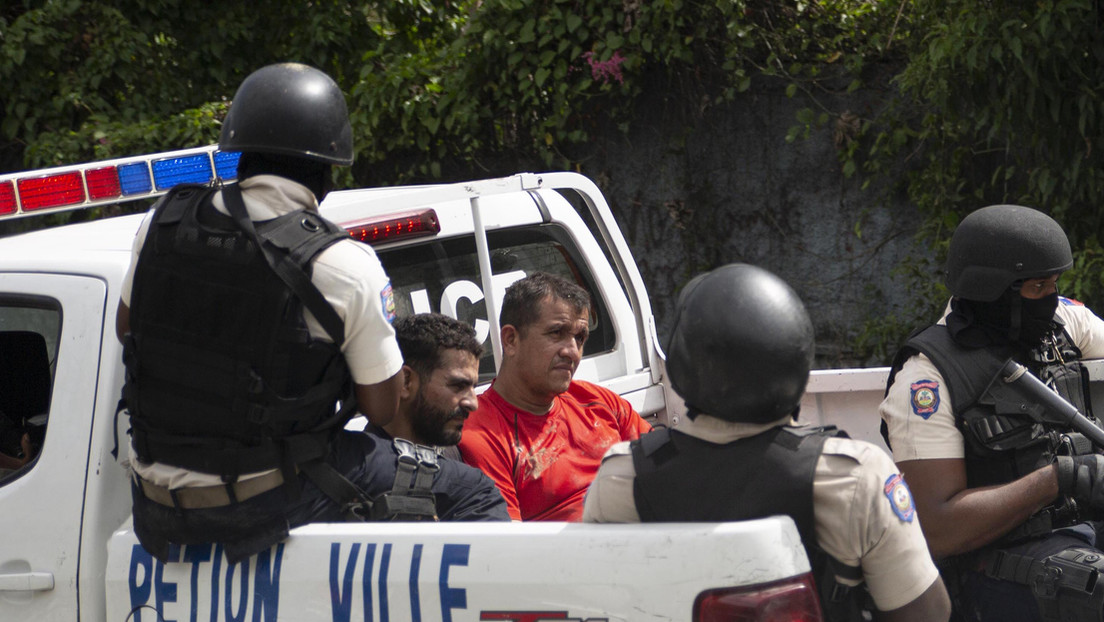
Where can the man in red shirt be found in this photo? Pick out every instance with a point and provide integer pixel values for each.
(539, 434)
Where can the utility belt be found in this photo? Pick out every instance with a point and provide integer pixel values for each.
(410, 498)
(206, 497)
(1066, 585)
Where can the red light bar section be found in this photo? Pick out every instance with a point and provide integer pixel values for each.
(103, 183)
(395, 227)
(7, 198)
(52, 191)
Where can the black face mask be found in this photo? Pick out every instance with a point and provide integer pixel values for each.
(979, 324)
(1037, 318)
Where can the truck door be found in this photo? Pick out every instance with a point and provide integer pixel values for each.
(50, 335)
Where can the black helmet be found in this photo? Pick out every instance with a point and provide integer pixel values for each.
(741, 346)
(998, 245)
(289, 109)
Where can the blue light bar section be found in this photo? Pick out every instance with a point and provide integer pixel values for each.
(226, 164)
(134, 178)
(189, 169)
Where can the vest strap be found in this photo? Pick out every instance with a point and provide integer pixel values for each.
(287, 269)
(354, 504)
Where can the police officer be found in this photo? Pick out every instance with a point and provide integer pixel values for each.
(1003, 495)
(739, 354)
(253, 329)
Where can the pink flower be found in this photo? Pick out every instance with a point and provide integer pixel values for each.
(605, 71)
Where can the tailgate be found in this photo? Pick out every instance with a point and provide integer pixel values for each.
(456, 571)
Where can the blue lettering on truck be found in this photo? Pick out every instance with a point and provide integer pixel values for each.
(451, 597)
(198, 578)
(342, 584)
(147, 578)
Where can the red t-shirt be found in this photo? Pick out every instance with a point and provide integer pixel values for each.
(543, 464)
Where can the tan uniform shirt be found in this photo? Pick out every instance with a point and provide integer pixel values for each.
(857, 521)
(349, 276)
(917, 409)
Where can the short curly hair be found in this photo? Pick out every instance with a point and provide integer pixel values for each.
(423, 336)
(521, 306)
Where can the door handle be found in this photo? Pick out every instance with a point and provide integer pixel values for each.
(27, 582)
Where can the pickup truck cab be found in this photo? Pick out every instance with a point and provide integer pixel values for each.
(67, 551)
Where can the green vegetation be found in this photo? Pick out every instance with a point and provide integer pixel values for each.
(981, 102)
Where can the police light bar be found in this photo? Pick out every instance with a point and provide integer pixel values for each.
(112, 181)
(393, 227)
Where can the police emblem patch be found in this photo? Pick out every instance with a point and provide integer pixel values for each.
(900, 498)
(387, 299)
(925, 397)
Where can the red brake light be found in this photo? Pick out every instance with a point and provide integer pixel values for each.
(790, 600)
(396, 226)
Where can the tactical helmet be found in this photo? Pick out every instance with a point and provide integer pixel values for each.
(998, 245)
(289, 109)
(741, 346)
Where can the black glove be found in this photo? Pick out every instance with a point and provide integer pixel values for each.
(1082, 477)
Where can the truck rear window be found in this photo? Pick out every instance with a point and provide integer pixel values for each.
(443, 276)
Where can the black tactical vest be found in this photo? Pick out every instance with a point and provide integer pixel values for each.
(223, 376)
(1002, 443)
(680, 478)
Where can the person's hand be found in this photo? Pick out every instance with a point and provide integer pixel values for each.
(27, 447)
(11, 462)
(1082, 477)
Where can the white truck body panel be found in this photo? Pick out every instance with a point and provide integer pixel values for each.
(455, 572)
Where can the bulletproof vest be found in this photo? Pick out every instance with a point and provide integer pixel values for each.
(223, 375)
(1002, 442)
(680, 478)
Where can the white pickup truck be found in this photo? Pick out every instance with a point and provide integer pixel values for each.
(67, 551)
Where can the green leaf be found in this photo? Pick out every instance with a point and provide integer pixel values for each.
(528, 32)
(573, 22)
(542, 75)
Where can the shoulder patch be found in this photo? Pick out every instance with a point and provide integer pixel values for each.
(387, 300)
(1070, 302)
(924, 397)
(900, 497)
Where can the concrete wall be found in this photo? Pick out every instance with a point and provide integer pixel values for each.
(694, 191)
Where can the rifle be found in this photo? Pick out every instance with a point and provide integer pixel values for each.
(1014, 383)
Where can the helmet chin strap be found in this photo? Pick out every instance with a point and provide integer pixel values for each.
(1017, 314)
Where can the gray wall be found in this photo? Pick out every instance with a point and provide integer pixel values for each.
(694, 191)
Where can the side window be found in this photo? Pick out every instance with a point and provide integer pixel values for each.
(443, 276)
(29, 330)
